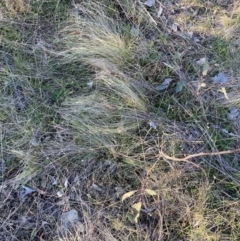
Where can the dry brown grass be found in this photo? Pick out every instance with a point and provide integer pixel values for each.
(15, 7)
(77, 115)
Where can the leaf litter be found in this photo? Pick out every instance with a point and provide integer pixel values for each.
(152, 124)
(24, 191)
(128, 194)
(201, 61)
(69, 222)
(179, 86)
(233, 114)
(150, 3)
(164, 84)
(220, 78)
(160, 10)
(135, 212)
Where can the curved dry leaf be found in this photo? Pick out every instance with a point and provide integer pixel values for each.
(164, 84)
(131, 217)
(136, 208)
(96, 187)
(128, 194)
(150, 192)
(201, 61)
(223, 90)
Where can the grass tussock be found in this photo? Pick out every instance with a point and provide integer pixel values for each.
(115, 103)
(15, 7)
(83, 126)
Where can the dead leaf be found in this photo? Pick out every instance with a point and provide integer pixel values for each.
(24, 191)
(223, 90)
(66, 183)
(201, 61)
(179, 86)
(152, 124)
(234, 112)
(59, 193)
(96, 187)
(220, 78)
(164, 84)
(174, 27)
(150, 192)
(150, 3)
(68, 222)
(190, 34)
(196, 40)
(131, 217)
(159, 12)
(128, 194)
(136, 208)
(224, 131)
(90, 84)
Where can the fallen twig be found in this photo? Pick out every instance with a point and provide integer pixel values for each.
(187, 158)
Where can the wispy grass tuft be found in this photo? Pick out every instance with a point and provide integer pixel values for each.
(115, 103)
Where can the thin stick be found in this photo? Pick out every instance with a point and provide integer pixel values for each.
(198, 155)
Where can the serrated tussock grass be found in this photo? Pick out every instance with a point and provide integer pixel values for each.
(115, 103)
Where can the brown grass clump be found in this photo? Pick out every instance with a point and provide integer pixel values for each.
(16, 7)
